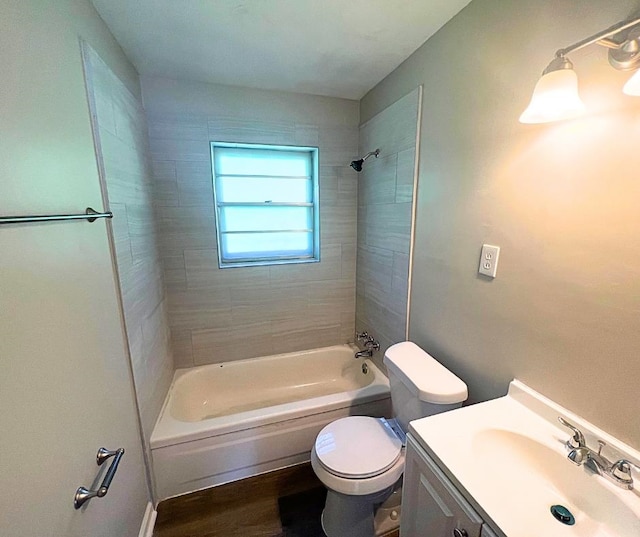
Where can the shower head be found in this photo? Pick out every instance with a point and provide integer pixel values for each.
(357, 164)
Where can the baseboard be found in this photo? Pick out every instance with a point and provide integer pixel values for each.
(148, 522)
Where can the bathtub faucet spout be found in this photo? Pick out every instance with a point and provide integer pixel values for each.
(364, 354)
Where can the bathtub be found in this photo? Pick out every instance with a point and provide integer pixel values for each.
(228, 421)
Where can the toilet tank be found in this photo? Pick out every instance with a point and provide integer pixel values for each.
(420, 385)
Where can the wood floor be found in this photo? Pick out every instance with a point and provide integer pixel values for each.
(284, 503)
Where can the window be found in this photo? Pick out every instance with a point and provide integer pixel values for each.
(266, 200)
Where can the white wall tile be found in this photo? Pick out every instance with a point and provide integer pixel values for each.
(179, 129)
(329, 268)
(124, 150)
(337, 224)
(195, 184)
(230, 313)
(268, 302)
(377, 180)
(121, 234)
(313, 338)
(348, 325)
(172, 149)
(175, 279)
(307, 135)
(241, 341)
(163, 170)
(253, 132)
(375, 267)
(394, 129)
(203, 272)
(389, 227)
(328, 186)
(385, 195)
(400, 276)
(182, 347)
(405, 175)
(191, 309)
(349, 251)
(347, 187)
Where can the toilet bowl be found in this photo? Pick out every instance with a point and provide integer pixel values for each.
(341, 462)
(357, 479)
(361, 459)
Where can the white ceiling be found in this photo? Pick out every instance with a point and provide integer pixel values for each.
(339, 48)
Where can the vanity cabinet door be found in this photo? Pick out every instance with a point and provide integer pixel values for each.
(431, 506)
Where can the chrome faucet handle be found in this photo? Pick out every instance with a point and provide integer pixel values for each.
(362, 335)
(621, 472)
(578, 437)
(372, 344)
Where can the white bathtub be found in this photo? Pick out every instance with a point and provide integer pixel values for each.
(228, 421)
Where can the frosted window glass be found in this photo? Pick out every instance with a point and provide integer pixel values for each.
(240, 161)
(266, 203)
(266, 245)
(265, 218)
(258, 190)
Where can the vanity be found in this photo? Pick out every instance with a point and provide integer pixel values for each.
(510, 468)
(432, 505)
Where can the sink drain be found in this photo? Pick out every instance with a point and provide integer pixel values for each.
(561, 513)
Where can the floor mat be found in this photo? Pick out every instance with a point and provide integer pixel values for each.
(300, 513)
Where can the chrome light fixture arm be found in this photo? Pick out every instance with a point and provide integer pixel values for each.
(602, 38)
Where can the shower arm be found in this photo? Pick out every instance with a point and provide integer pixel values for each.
(371, 153)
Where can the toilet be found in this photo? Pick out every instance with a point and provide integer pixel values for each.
(361, 459)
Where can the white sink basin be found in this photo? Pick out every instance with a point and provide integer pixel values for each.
(549, 479)
(513, 464)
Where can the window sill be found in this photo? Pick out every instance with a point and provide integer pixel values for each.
(267, 262)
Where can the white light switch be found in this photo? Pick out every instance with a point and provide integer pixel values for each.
(489, 260)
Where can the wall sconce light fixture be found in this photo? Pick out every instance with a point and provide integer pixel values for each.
(556, 97)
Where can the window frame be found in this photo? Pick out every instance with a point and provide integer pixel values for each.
(314, 257)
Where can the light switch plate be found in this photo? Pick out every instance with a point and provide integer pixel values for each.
(489, 260)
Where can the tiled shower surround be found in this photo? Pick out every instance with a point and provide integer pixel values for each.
(217, 315)
(120, 125)
(385, 197)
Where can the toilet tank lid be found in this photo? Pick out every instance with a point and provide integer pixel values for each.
(425, 377)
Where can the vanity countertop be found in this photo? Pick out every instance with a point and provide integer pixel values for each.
(508, 457)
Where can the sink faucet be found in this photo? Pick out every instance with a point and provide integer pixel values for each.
(577, 441)
(618, 472)
(369, 342)
(577, 446)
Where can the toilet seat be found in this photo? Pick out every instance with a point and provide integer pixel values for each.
(358, 487)
(357, 447)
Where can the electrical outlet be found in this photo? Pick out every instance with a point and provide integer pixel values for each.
(489, 260)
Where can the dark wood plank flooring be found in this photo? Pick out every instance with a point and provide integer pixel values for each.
(283, 503)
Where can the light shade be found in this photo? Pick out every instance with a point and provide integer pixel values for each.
(632, 87)
(555, 98)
